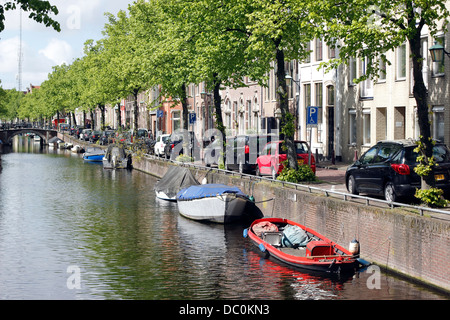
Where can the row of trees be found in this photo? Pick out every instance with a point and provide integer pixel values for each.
(171, 43)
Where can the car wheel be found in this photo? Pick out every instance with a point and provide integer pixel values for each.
(351, 185)
(389, 192)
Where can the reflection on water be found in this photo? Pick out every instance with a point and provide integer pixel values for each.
(59, 214)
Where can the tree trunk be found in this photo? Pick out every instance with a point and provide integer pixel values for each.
(184, 106)
(218, 105)
(119, 117)
(287, 120)
(74, 120)
(218, 111)
(136, 111)
(421, 97)
(102, 112)
(92, 119)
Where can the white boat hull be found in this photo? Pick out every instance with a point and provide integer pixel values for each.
(163, 196)
(220, 209)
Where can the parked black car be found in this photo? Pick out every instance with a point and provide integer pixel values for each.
(94, 136)
(77, 131)
(388, 169)
(107, 137)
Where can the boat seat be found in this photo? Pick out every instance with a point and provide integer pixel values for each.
(298, 252)
(317, 248)
(273, 238)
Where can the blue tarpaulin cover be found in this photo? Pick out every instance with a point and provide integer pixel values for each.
(207, 190)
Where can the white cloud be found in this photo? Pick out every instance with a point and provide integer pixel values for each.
(58, 51)
(9, 55)
(43, 47)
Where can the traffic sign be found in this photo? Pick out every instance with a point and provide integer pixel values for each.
(312, 115)
(159, 113)
(192, 118)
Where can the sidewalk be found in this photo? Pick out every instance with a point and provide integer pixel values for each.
(331, 173)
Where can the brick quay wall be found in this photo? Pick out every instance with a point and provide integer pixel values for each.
(406, 243)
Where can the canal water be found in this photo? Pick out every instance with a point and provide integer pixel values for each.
(72, 230)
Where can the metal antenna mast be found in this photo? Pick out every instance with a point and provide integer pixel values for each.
(19, 75)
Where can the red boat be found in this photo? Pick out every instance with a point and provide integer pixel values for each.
(306, 249)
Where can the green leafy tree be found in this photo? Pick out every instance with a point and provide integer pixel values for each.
(277, 31)
(126, 66)
(39, 10)
(367, 29)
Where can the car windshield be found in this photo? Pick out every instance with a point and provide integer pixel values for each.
(440, 152)
(141, 133)
(301, 147)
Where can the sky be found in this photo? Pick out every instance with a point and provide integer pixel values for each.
(43, 47)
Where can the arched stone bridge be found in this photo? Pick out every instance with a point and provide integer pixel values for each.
(45, 134)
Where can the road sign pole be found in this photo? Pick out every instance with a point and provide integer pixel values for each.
(310, 145)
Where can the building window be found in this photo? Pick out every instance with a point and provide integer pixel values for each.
(352, 72)
(176, 120)
(401, 62)
(290, 69)
(318, 88)
(319, 49)
(352, 127)
(366, 126)
(249, 113)
(366, 85)
(330, 95)
(307, 95)
(308, 54)
(319, 94)
(235, 113)
(439, 67)
(382, 70)
(438, 123)
(332, 51)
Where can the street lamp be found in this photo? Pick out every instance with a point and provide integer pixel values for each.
(437, 52)
(278, 115)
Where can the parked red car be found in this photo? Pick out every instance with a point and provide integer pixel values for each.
(270, 162)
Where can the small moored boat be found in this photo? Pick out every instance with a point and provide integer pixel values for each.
(77, 149)
(212, 202)
(94, 155)
(116, 157)
(301, 247)
(175, 179)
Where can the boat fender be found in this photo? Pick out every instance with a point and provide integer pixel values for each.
(245, 233)
(354, 247)
(262, 247)
(363, 262)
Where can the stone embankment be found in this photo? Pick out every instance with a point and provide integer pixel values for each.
(402, 241)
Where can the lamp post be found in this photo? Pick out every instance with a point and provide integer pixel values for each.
(278, 116)
(437, 52)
